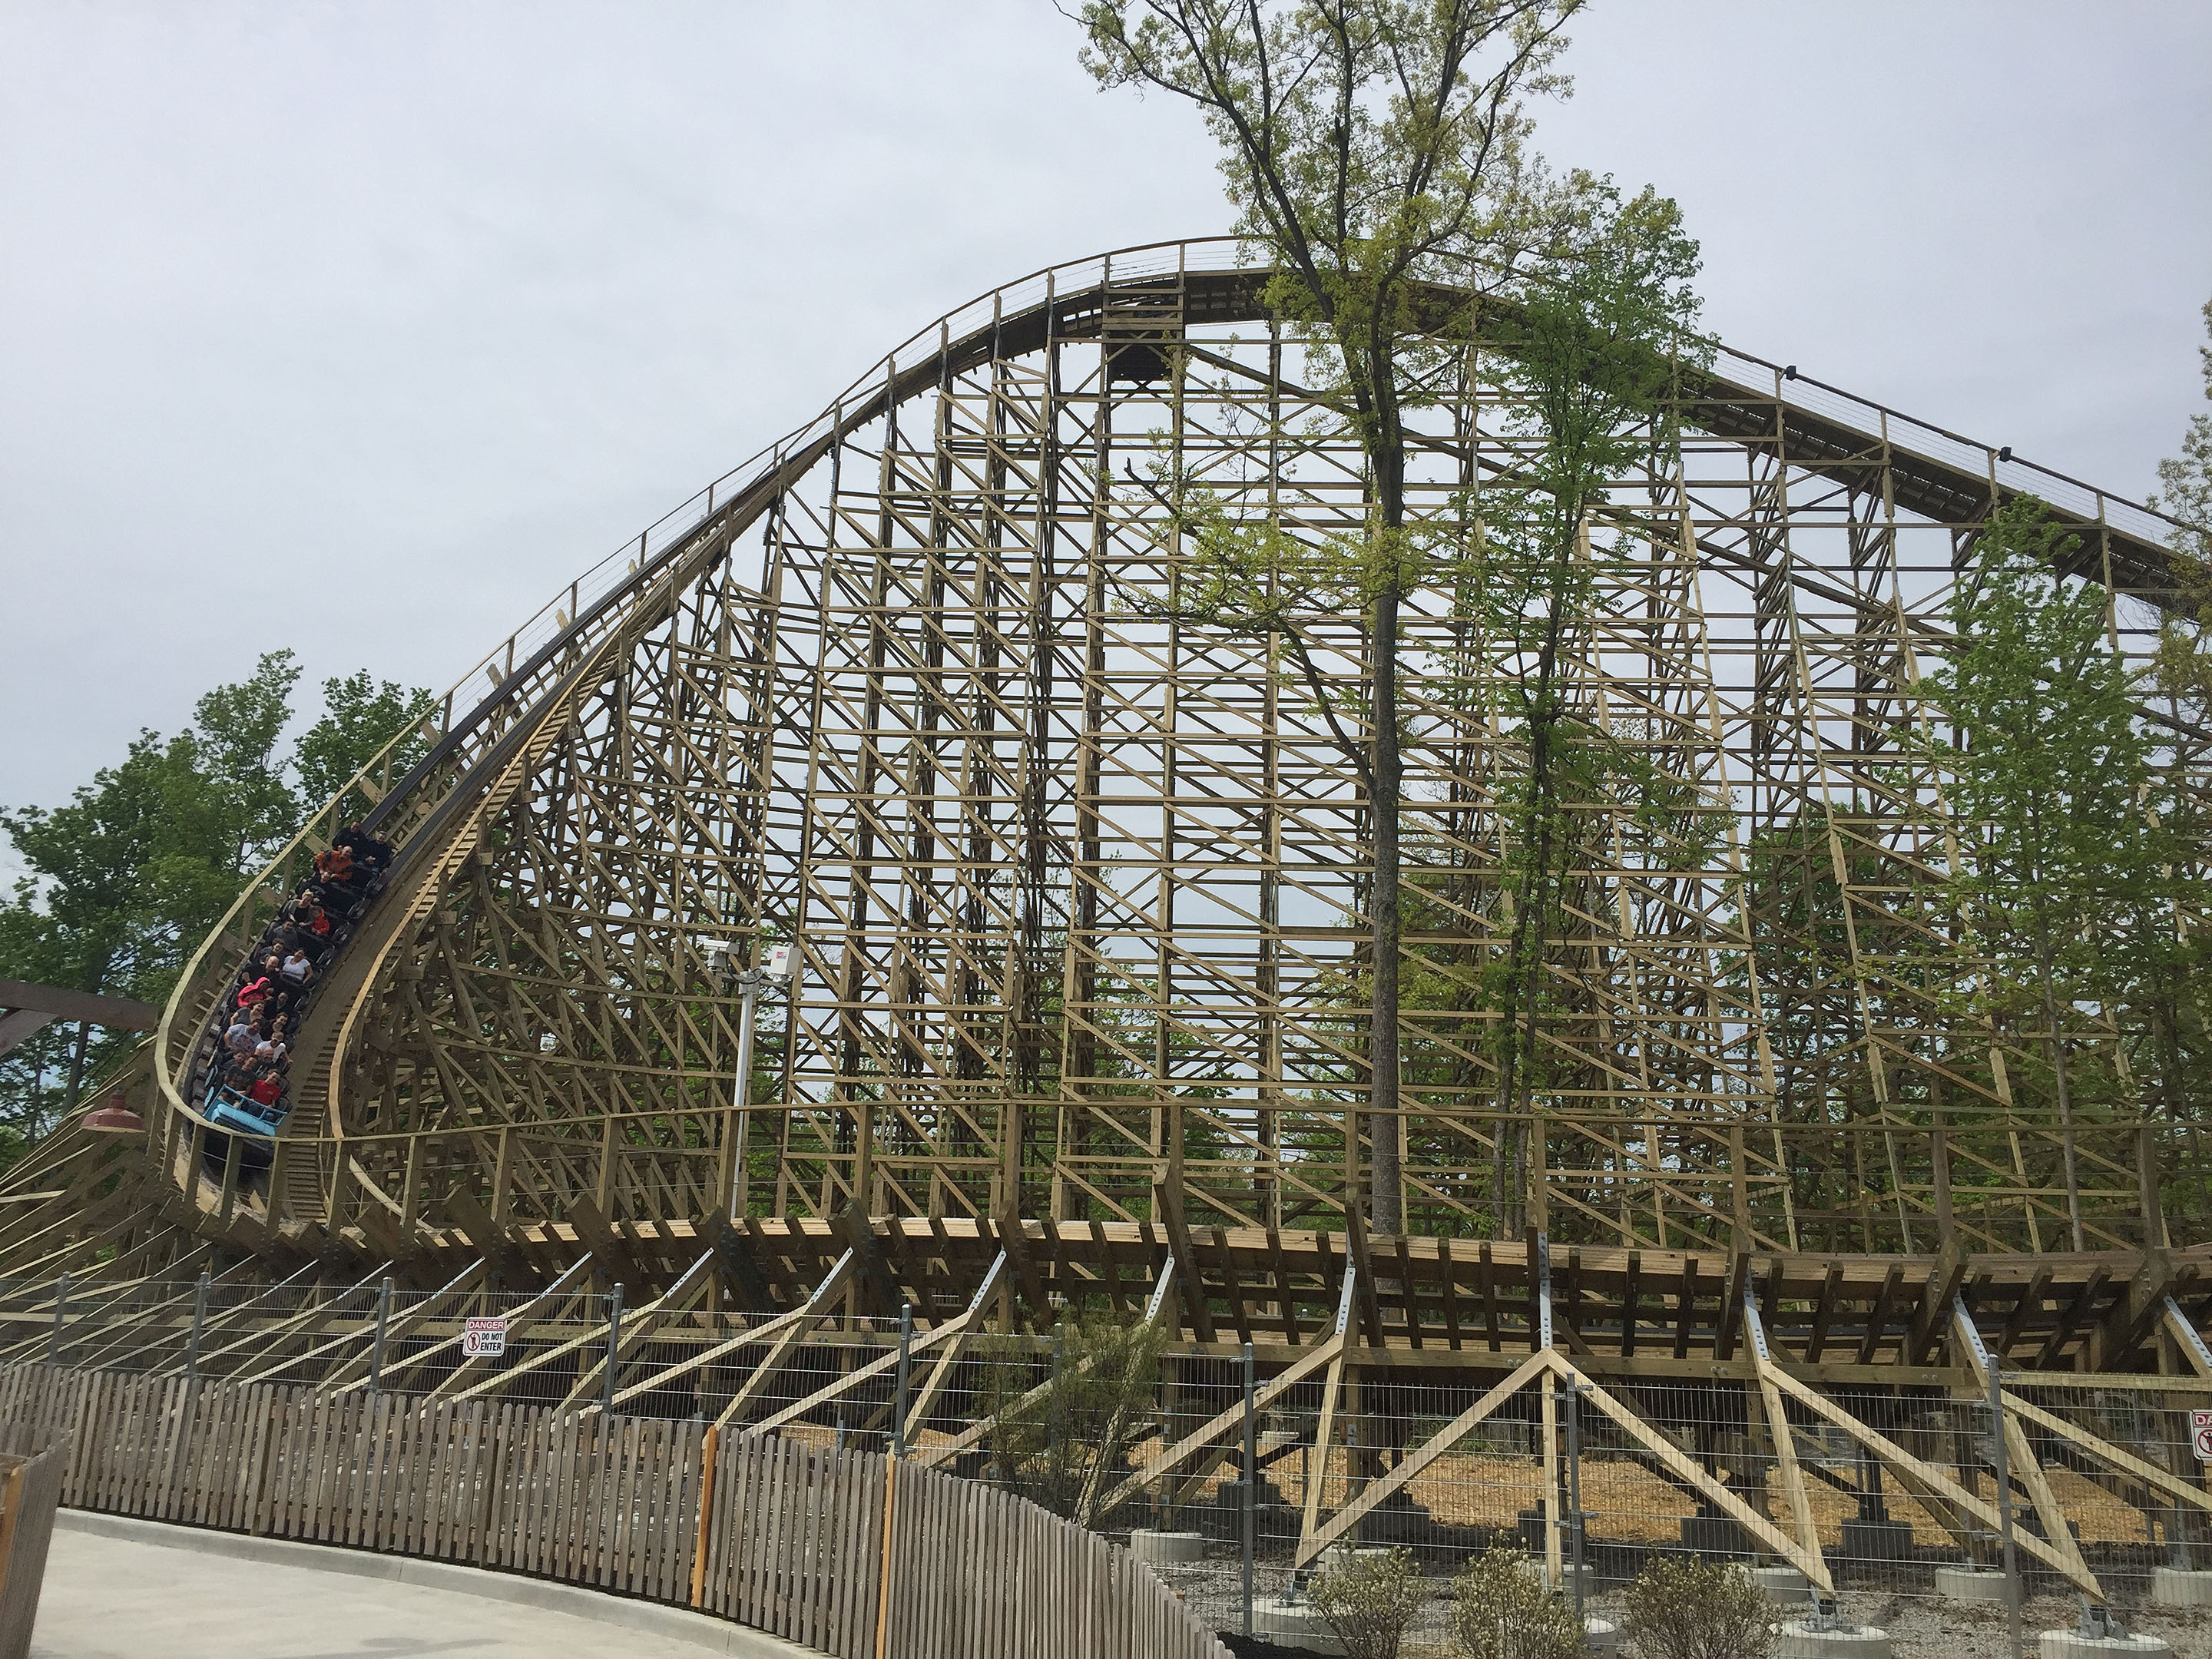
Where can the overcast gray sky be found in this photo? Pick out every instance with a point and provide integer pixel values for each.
(360, 328)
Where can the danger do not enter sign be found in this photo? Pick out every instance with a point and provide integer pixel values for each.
(2200, 1435)
(485, 1338)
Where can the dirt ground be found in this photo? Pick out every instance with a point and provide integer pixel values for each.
(1630, 1505)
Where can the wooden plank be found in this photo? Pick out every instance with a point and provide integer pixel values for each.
(1688, 1470)
(1410, 1468)
(1883, 1446)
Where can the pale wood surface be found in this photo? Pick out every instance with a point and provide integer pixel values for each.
(796, 1539)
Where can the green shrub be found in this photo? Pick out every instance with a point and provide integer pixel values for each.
(1687, 1608)
(1501, 1610)
(1369, 1602)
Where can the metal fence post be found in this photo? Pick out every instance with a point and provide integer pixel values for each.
(1053, 1426)
(614, 1346)
(199, 1324)
(2002, 1459)
(1251, 1480)
(61, 1312)
(383, 1322)
(899, 1416)
(1574, 1393)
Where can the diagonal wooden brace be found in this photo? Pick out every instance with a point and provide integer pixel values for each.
(1537, 1365)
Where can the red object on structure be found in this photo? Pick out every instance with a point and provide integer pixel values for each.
(114, 1119)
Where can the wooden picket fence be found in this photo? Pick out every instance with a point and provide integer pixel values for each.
(847, 1553)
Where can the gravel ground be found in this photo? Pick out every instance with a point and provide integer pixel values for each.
(1923, 1626)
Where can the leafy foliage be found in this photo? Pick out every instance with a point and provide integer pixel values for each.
(1370, 1600)
(360, 714)
(1691, 1607)
(1374, 148)
(2063, 847)
(1377, 151)
(1064, 1446)
(140, 864)
(1501, 1610)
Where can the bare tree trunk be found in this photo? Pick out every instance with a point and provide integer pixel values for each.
(2058, 1041)
(76, 1065)
(1385, 1211)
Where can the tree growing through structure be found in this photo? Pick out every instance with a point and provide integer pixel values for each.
(1376, 150)
(1594, 346)
(2051, 788)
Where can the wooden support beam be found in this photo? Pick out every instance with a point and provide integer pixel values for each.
(818, 1306)
(1897, 1457)
(2186, 1335)
(689, 1290)
(1220, 1427)
(1191, 1281)
(1411, 1466)
(1014, 1241)
(2105, 1452)
(570, 1284)
(1877, 1324)
(962, 1331)
(851, 1379)
(2021, 1462)
(2076, 1315)
(1332, 1390)
(598, 1236)
(1685, 1468)
(872, 1277)
(1785, 1450)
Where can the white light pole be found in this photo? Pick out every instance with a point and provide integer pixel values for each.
(774, 972)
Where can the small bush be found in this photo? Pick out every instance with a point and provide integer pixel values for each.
(1501, 1610)
(1694, 1608)
(1369, 1602)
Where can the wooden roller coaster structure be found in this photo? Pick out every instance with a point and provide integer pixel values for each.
(1074, 890)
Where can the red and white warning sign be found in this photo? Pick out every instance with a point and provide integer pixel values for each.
(2200, 1435)
(487, 1337)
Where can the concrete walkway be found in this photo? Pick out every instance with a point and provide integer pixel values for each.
(128, 1590)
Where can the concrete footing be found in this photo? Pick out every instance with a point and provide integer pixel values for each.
(2068, 1645)
(1337, 1557)
(2178, 1586)
(1567, 1584)
(1294, 1624)
(1785, 1585)
(1798, 1640)
(1166, 1549)
(1965, 1583)
(1601, 1635)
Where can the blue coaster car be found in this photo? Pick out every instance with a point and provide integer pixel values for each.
(233, 1111)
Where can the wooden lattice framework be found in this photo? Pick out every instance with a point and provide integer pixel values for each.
(1076, 890)
(1075, 895)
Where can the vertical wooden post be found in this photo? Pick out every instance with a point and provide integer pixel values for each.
(709, 1449)
(884, 1568)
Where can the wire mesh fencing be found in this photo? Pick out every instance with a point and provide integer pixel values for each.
(1895, 1505)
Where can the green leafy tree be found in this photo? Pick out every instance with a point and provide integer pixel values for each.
(1594, 347)
(129, 875)
(85, 918)
(360, 716)
(1376, 150)
(2049, 778)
